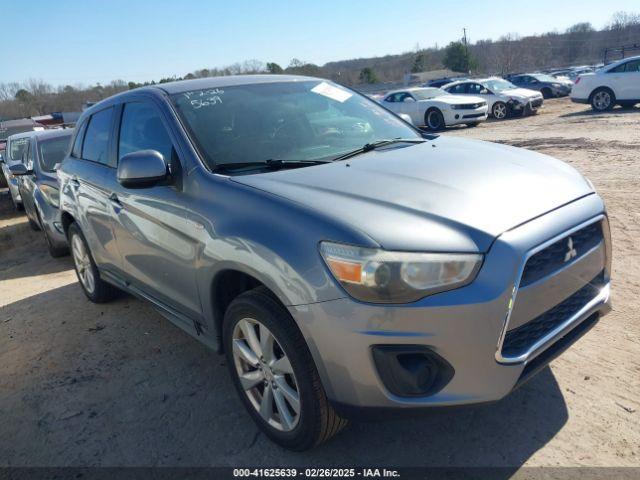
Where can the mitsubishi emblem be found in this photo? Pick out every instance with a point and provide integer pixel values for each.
(571, 252)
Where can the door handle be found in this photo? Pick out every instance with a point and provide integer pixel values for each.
(115, 202)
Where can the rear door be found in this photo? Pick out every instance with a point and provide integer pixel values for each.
(149, 223)
(628, 81)
(84, 181)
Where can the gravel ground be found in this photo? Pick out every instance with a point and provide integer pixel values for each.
(116, 384)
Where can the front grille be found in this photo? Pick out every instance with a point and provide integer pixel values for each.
(558, 254)
(519, 340)
(474, 115)
(471, 106)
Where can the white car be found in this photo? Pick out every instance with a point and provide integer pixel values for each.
(503, 98)
(617, 83)
(435, 108)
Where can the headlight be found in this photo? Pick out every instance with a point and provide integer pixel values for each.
(381, 276)
(51, 195)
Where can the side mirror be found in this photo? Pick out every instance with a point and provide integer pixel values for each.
(141, 169)
(19, 169)
(408, 99)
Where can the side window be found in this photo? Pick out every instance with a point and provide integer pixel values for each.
(619, 69)
(28, 156)
(475, 88)
(96, 140)
(76, 151)
(390, 98)
(633, 66)
(460, 88)
(141, 128)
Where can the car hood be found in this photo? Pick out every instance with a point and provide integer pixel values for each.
(447, 194)
(456, 99)
(521, 93)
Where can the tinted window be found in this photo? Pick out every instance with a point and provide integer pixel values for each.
(142, 129)
(633, 66)
(96, 140)
(76, 151)
(460, 88)
(52, 151)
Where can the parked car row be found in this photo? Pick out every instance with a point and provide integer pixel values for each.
(463, 101)
(342, 259)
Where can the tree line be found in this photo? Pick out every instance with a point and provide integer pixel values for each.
(579, 44)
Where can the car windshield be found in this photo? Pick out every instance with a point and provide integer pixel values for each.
(427, 93)
(544, 78)
(498, 85)
(301, 121)
(53, 151)
(16, 148)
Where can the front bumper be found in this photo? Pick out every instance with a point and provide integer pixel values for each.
(464, 116)
(465, 327)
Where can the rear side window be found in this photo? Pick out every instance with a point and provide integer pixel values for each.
(460, 88)
(76, 151)
(142, 129)
(96, 141)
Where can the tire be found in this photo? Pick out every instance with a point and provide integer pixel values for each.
(96, 290)
(434, 120)
(315, 421)
(602, 99)
(55, 252)
(546, 93)
(499, 110)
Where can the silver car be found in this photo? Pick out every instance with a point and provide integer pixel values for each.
(343, 261)
(14, 150)
(38, 185)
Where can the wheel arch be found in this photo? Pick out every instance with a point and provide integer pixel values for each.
(66, 219)
(602, 87)
(228, 283)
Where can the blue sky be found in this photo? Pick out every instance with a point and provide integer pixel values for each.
(89, 41)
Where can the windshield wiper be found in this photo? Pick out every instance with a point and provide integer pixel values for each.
(269, 163)
(373, 145)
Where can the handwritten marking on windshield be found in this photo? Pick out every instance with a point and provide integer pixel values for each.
(204, 98)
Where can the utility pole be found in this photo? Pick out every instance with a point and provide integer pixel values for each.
(466, 49)
(464, 39)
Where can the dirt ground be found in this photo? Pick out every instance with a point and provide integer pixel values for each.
(116, 384)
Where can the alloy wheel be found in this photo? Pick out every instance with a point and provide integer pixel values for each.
(602, 100)
(499, 111)
(265, 374)
(83, 263)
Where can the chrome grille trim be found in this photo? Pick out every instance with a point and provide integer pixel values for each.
(563, 327)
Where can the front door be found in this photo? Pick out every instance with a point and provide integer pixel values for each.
(149, 223)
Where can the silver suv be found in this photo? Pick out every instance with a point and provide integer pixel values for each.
(341, 259)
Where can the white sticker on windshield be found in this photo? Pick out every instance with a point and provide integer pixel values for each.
(332, 92)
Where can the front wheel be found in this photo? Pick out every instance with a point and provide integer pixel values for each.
(96, 290)
(499, 110)
(602, 100)
(274, 373)
(434, 120)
